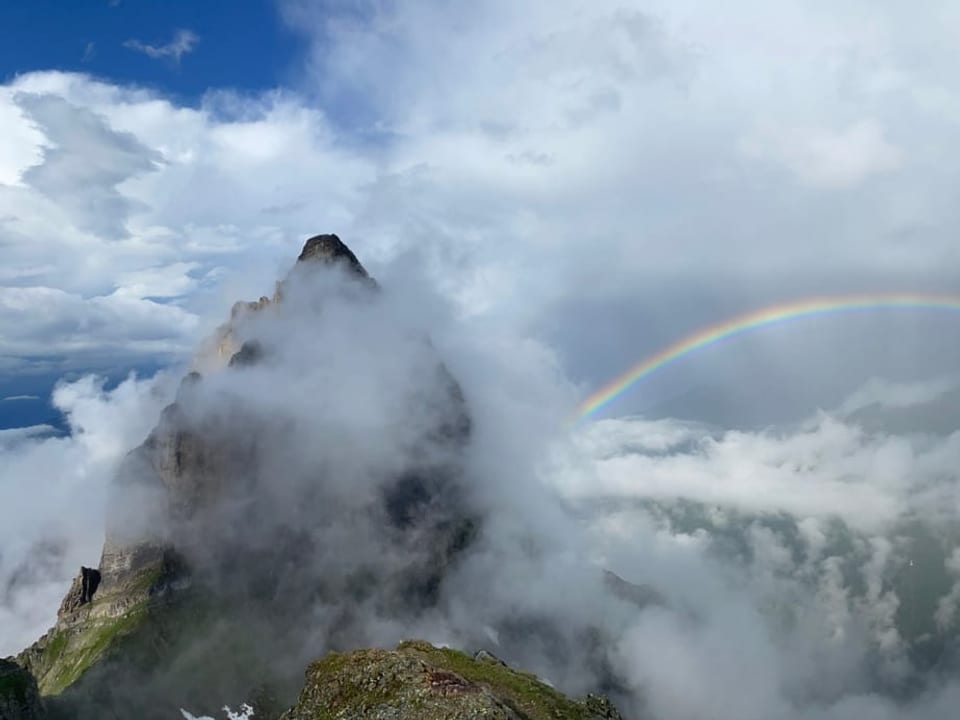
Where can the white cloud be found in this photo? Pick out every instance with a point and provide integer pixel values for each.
(829, 159)
(837, 571)
(825, 469)
(57, 524)
(612, 164)
(11, 437)
(183, 42)
(559, 152)
(882, 393)
(131, 216)
(244, 713)
(117, 323)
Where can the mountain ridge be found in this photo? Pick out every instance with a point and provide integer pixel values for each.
(182, 610)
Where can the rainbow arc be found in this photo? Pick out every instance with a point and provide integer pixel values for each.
(756, 319)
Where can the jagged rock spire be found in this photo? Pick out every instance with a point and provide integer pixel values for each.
(330, 249)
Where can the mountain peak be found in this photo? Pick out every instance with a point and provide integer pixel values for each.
(330, 249)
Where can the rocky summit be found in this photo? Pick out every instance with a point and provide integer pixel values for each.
(244, 540)
(418, 681)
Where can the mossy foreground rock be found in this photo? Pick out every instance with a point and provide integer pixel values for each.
(418, 681)
(19, 699)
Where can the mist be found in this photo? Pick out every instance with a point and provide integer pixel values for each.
(802, 571)
(53, 490)
(544, 193)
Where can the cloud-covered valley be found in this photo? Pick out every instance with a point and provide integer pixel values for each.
(812, 567)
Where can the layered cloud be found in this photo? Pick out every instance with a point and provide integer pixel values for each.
(827, 467)
(819, 562)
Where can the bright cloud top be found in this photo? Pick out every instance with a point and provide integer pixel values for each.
(623, 153)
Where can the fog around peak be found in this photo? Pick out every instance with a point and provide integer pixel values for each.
(810, 566)
(784, 506)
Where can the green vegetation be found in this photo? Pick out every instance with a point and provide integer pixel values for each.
(524, 691)
(68, 651)
(418, 681)
(67, 658)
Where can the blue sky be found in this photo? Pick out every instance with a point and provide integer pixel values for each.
(243, 45)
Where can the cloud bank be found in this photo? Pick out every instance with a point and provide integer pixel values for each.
(644, 167)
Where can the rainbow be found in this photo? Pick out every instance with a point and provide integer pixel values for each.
(754, 320)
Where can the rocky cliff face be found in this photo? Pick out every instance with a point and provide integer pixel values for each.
(174, 561)
(256, 529)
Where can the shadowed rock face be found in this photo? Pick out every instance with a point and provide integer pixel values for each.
(249, 353)
(81, 591)
(19, 699)
(329, 249)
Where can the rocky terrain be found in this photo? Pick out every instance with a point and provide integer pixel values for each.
(225, 570)
(422, 682)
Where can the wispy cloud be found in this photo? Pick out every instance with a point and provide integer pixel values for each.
(89, 52)
(11, 398)
(183, 42)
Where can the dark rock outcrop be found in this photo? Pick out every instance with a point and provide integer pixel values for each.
(89, 582)
(249, 353)
(330, 249)
(81, 591)
(488, 657)
(19, 698)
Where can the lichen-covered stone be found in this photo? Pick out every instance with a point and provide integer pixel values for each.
(418, 681)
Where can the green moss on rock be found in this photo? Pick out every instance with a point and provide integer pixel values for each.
(71, 652)
(79, 640)
(418, 681)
